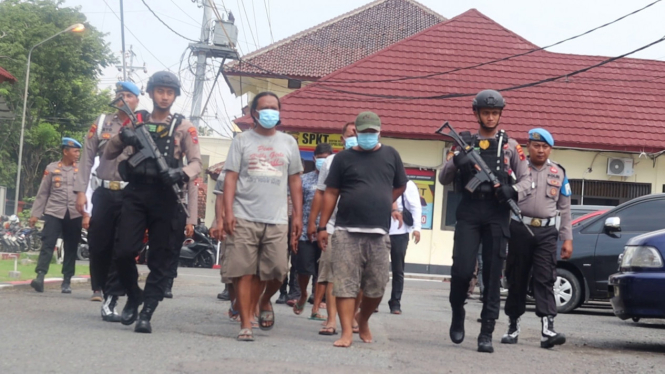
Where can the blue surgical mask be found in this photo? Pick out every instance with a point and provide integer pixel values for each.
(268, 118)
(319, 163)
(368, 140)
(350, 142)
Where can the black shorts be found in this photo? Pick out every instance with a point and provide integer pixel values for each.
(307, 262)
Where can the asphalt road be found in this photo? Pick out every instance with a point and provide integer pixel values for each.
(56, 333)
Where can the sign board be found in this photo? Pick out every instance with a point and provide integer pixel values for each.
(425, 180)
(307, 141)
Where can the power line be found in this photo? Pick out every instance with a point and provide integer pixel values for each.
(255, 24)
(165, 24)
(135, 37)
(183, 11)
(249, 25)
(265, 4)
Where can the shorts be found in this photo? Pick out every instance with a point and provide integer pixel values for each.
(360, 261)
(257, 249)
(325, 263)
(223, 248)
(308, 256)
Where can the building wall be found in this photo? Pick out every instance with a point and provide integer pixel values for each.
(216, 149)
(253, 86)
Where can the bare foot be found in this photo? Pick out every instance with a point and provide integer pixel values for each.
(344, 342)
(363, 330)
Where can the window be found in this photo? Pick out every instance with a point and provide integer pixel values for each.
(451, 200)
(642, 217)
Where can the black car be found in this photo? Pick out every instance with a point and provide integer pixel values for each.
(597, 244)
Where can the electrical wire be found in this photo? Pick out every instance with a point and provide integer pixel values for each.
(135, 37)
(183, 11)
(255, 24)
(265, 4)
(249, 25)
(165, 24)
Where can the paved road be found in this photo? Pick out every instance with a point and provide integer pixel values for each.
(55, 333)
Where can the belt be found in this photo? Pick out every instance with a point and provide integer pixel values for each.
(114, 185)
(481, 195)
(538, 222)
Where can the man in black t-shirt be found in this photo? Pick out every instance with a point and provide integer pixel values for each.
(367, 179)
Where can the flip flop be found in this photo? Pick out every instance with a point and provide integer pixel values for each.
(267, 316)
(297, 308)
(245, 335)
(328, 331)
(318, 317)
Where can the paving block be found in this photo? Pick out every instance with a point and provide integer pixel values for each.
(15, 274)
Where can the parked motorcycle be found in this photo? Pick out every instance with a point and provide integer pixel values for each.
(198, 251)
(83, 250)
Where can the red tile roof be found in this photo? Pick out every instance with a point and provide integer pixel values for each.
(6, 77)
(618, 106)
(332, 45)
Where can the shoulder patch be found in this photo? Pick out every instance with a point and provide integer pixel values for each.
(520, 152)
(93, 130)
(46, 172)
(193, 134)
(565, 187)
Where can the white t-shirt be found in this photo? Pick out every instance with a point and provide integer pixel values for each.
(414, 206)
(321, 186)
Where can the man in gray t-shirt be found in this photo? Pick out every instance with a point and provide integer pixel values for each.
(260, 164)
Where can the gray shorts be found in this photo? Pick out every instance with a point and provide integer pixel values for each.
(223, 248)
(257, 249)
(325, 263)
(360, 261)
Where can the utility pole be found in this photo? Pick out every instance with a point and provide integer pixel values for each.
(122, 33)
(201, 55)
(131, 69)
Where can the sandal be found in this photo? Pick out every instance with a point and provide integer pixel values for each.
(297, 308)
(328, 331)
(318, 317)
(245, 335)
(265, 317)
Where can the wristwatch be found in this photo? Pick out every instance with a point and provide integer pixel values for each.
(319, 229)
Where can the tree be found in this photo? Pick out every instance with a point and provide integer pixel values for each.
(63, 99)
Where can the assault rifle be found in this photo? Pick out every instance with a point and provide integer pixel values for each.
(483, 172)
(147, 148)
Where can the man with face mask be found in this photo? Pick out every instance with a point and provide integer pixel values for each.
(308, 251)
(366, 179)
(56, 200)
(107, 199)
(324, 279)
(261, 164)
(483, 214)
(148, 200)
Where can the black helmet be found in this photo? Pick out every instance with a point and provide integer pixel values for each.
(488, 99)
(164, 79)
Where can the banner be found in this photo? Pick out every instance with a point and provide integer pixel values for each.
(425, 180)
(307, 141)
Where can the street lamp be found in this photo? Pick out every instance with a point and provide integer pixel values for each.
(78, 27)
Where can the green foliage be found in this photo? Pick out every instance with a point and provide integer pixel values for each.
(63, 99)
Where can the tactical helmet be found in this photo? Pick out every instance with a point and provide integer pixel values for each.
(488, 99)
(164, 79)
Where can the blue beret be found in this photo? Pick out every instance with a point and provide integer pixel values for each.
(71, 143)
(541, 135)
(127, 86)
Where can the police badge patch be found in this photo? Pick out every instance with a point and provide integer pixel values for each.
(484, 144)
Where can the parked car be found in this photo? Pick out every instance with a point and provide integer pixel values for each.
(597, 244)
(578, 220)
(577, 211)
(636, 290)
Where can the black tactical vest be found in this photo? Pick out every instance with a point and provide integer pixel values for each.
(162, 134)
(492, 152)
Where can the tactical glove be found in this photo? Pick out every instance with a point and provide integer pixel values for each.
(173, 176)
(460, 159)
(128, 137)
(506, 192)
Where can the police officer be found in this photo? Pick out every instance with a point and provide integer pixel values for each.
(56, 200)
(148, 200)
(107, 199)
(549, 198)
(184, 228)
(483, 216)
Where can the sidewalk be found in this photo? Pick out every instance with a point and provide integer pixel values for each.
(47, 282)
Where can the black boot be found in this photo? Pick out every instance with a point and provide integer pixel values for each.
(66, 285)
(510, 337)
(457, 325)
(224, 295)
(168, 291)
(281, 299)
(38, 283)
(549, 338)
(143, 324)
(109, 314)
(131, 310)
(485, 337)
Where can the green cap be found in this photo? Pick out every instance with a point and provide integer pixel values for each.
(368, 120)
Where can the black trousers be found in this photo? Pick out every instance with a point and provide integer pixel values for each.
(177, 240)
(70, 229)
(106, 207)
(486, 222)
(525, 253)
(151, 206)
(398, 245)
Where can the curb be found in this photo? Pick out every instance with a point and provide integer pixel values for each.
(54, 281)
(432, 277)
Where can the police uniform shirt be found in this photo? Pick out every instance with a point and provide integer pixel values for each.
(186, 143)
(550, 195)
(514, 161)
(94, 145)
(56, 194)
(192, 202)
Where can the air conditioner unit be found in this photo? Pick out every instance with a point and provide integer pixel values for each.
(620, 167)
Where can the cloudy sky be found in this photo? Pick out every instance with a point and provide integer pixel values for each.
(262, 21)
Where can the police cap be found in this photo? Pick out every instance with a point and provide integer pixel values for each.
(164, 79)
(541, 135)
(127, 87)
(70, 143)
(488, 99)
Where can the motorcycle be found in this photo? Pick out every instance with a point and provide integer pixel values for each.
(83, 250)
(199, 250)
